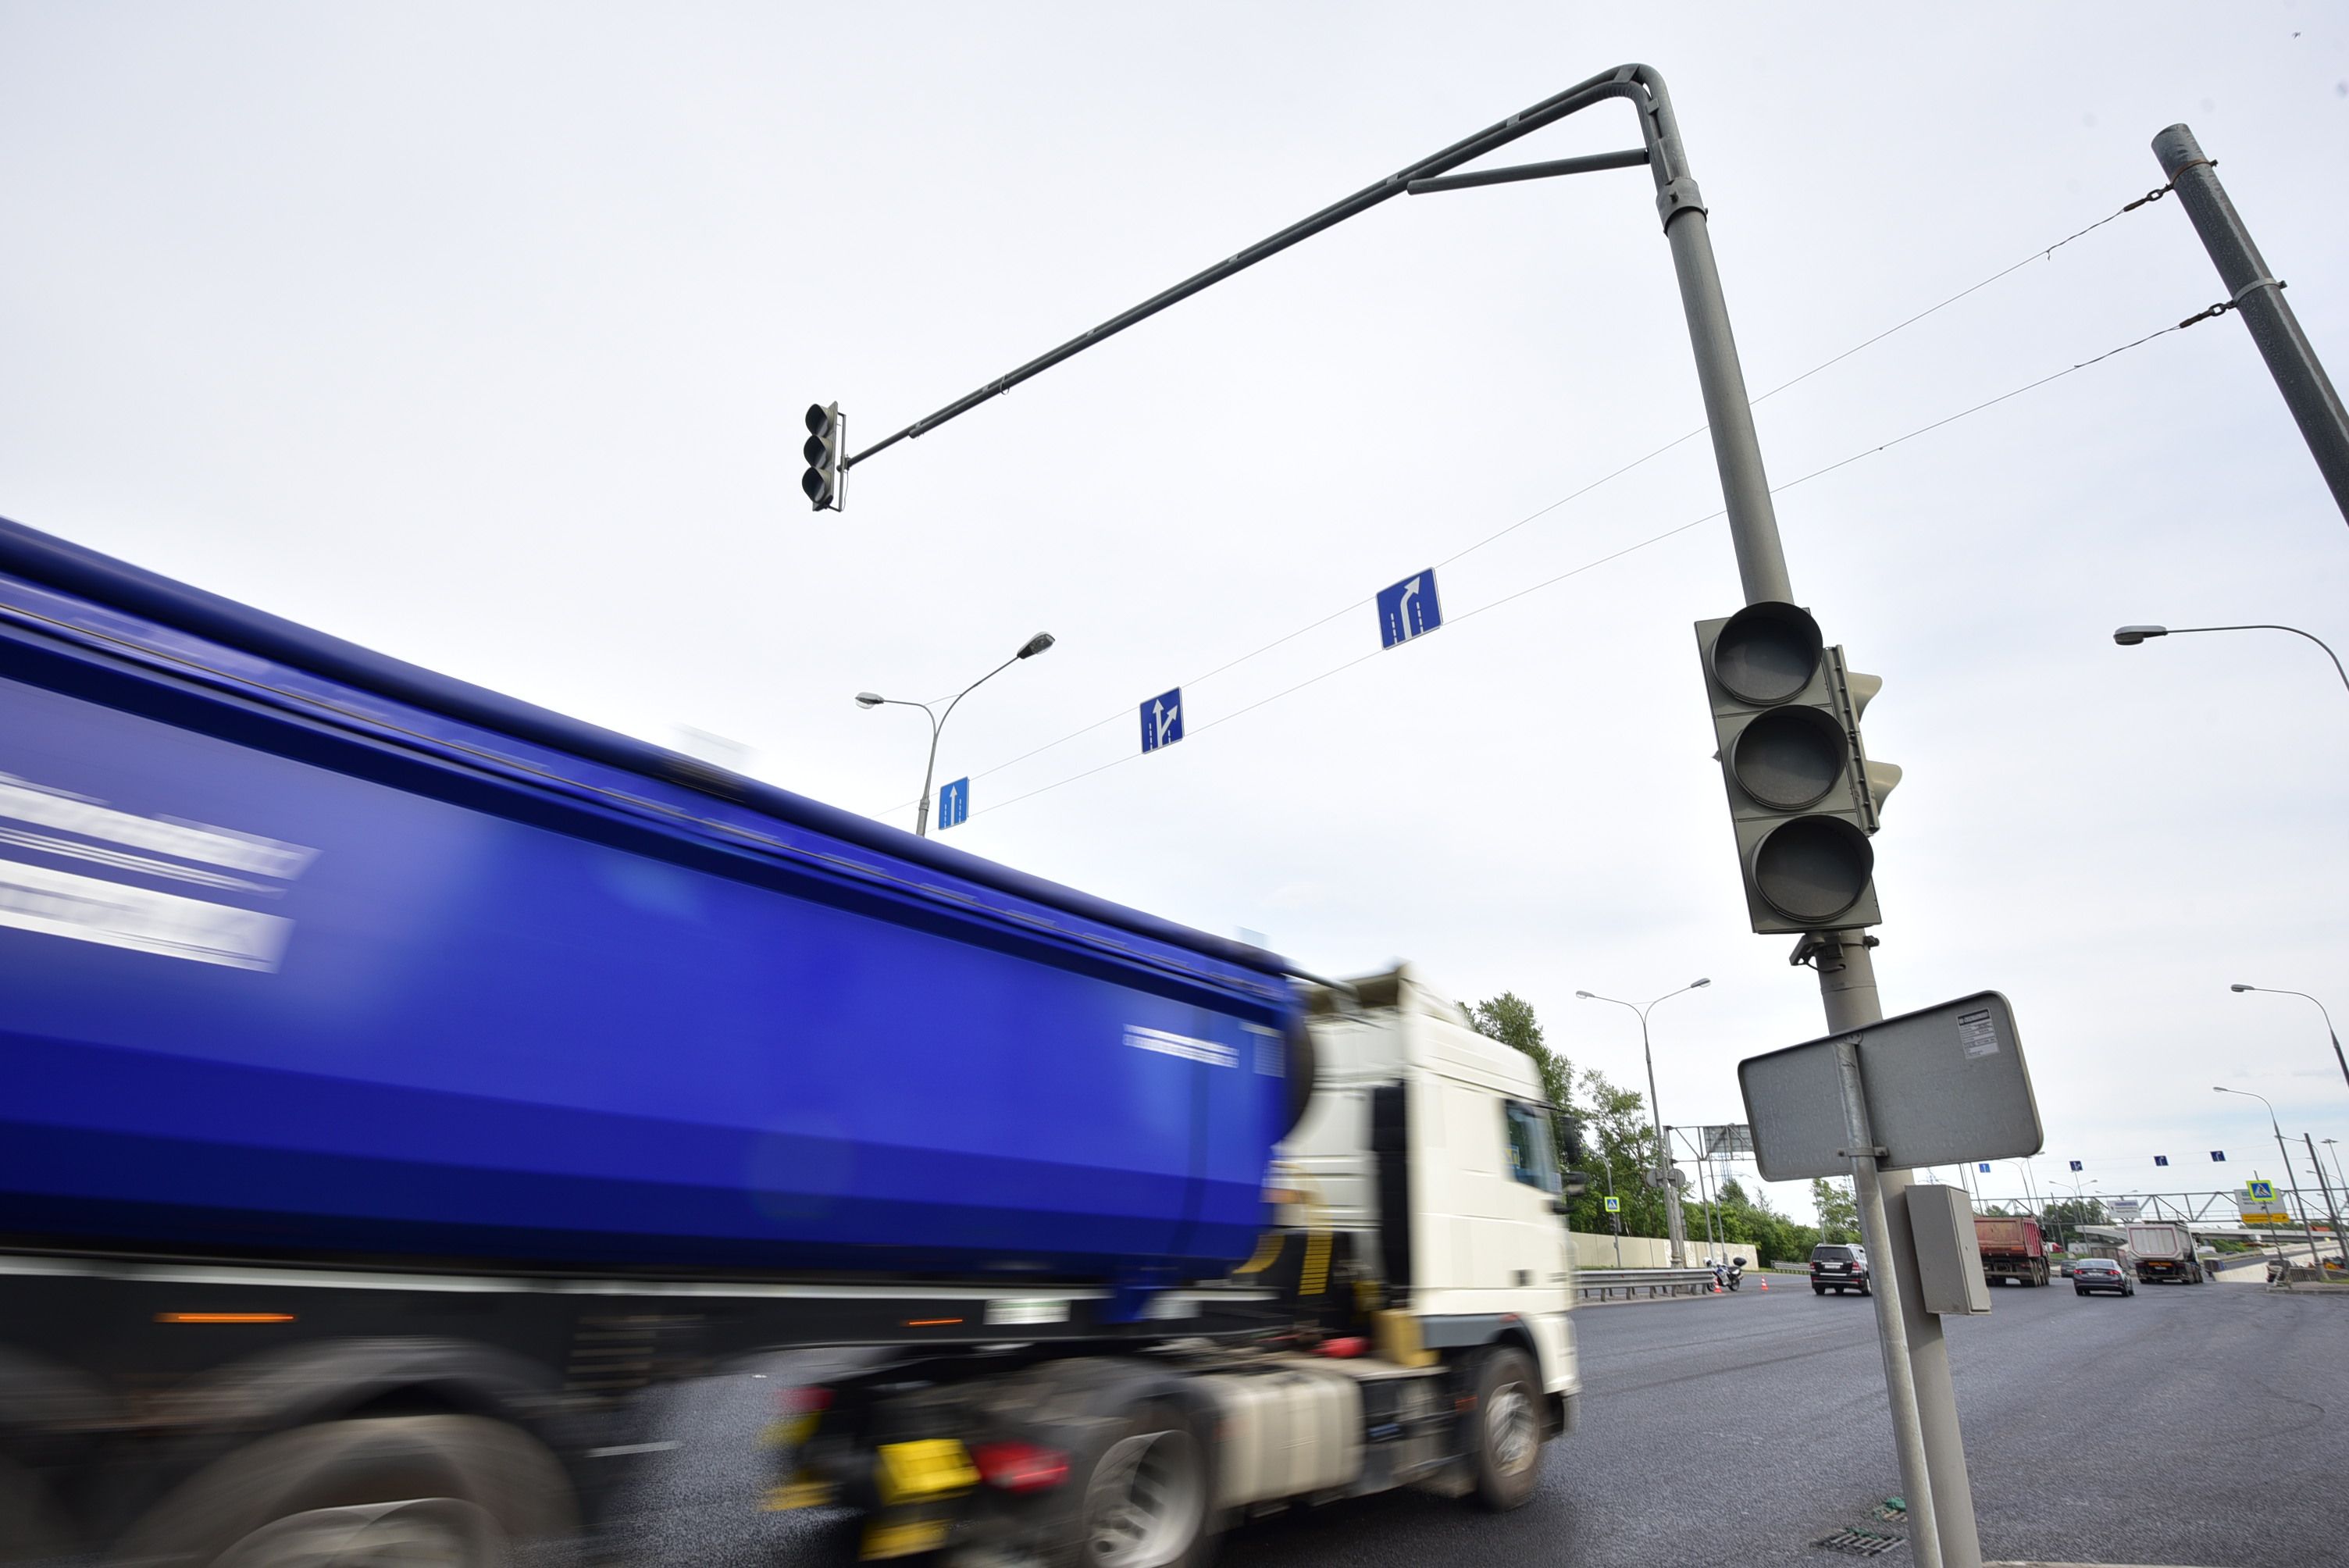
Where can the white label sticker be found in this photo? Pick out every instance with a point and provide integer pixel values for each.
(87, 909)
(1159, 1040)
(1978, 1033)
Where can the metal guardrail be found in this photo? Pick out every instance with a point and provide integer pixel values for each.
(1606, 1284)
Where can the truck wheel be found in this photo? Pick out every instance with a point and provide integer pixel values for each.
(1508, 1439)
(1146, 1500)
(445, 1489)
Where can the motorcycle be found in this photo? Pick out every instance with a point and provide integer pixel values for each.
(1736, 1272)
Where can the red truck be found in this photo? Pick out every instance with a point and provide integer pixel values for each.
(2011, 1249)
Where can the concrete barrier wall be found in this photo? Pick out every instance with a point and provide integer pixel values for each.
(1597, 1251)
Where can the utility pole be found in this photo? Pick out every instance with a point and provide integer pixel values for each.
(2257, 295)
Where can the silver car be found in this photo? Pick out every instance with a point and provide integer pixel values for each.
(2102, 1274)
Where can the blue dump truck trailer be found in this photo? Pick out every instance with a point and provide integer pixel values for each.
(397, 1079)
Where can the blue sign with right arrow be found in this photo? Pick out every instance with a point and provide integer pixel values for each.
(1409, 609)
(1162, 721)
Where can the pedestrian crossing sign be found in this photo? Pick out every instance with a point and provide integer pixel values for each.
(1614, 1205)
(2263, 1191)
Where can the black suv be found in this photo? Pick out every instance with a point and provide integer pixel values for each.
(1839, 1268)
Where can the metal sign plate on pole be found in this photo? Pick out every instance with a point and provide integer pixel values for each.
(1727, 1140)
(1944, 1086)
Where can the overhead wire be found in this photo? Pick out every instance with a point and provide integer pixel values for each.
(2042, 253)
(1618, 554)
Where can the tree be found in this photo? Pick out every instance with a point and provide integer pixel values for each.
(1620, 1148)
(1509, 1018)
(1838, 1209)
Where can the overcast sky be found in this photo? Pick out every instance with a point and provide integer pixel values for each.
(481, 334)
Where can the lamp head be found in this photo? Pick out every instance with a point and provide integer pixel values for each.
(1584, 997)
(2130, 636)
(1699, 984)
(2243, 987)
(1036, 645)
(870, 699)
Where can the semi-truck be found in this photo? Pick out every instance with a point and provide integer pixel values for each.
(2165, 1253)
(2011, 1249)
(402, 1078)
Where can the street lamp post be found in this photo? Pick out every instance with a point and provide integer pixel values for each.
(2321, 1007)
(2334, 1145)
(2291, 1181)
(1027, 650)
(1676, 1225)
(2130, 636)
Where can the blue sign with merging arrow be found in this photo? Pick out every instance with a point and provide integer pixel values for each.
(954, 804)
(2076, 1165)
(2161, 1160)
(1409, 609)
(1162, 721)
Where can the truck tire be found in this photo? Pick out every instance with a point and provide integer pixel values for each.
(453, 1489)
(1147, 1495)
(1506, 1447)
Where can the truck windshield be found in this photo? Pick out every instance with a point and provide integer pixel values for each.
(1533, 1159)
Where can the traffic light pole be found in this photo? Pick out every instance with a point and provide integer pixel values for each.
(1846, 973)
(1847, 978)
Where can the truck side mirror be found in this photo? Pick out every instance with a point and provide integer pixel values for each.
(1560, 1205)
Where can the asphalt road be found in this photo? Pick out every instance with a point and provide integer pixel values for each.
(2196, 1426)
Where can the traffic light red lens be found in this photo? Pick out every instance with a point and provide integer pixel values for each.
(1766, 653)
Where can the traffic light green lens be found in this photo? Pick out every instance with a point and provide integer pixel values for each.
(1789, 758)
(1813, 869)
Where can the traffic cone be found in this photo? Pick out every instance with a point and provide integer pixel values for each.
(1765, 1286)
(1716, 1290)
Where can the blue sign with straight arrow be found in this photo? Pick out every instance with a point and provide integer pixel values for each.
(954, 804)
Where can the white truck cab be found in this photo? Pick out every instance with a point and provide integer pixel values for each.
(1430, 1144)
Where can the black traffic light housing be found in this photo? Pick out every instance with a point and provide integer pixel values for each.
(826, 445)
(1803, 797)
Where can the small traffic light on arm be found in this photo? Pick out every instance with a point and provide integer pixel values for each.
(827, 437)
(1802, 796)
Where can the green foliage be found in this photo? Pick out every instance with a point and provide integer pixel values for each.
(1752, 1227)
(2066, 1215)
(1509, 1018)
(1838, 1209)
(1621, 1146)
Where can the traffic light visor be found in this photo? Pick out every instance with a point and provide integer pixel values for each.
(1813, 869)
(819, 420)
(1789, 758)
(1766, 653)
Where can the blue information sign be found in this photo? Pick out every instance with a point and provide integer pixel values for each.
(1162, 721)
(2076, 1165)
(1983, 1166)
(2161, 1160)
(954, 804)
(2219, 1156)
(1409, 609)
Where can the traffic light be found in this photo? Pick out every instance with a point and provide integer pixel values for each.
(827, 437)
(1802, 796)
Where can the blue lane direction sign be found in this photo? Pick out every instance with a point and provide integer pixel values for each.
(2076, 1165)
(1409, 609)
(2218, 1156)
(954, 804)
(1983, 1166)
(1162, 721)
(2161, 1160)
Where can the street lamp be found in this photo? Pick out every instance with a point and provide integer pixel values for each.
(2130, 636)
(2334, 1144)
(2292, 1182)
(1678, 1229)
(2321, 1007)
(1027, 650)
